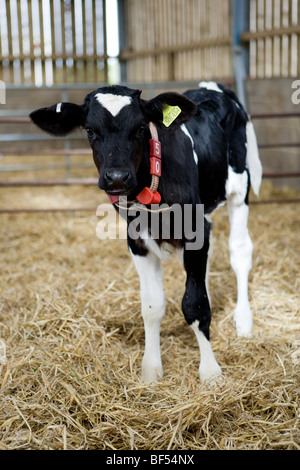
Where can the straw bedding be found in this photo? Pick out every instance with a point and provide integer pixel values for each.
(70, 319)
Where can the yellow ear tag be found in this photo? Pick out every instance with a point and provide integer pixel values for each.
(170, 113)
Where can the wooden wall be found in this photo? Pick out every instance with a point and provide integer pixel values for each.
(274, 38)
(52, 41)
(177, 40)
(191, 39)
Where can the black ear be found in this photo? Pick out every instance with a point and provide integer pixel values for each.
(169, 110)
(59, 119)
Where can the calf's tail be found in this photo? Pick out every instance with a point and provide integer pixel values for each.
(253, 160)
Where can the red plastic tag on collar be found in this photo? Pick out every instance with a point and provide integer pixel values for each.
(155, 148)
(155, 166)
(147, 197)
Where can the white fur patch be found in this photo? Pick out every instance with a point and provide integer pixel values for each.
(153, 309)
(184, 129)
(209, 369)
(210, 86)
(236, 186)
(241, 248)
(113, 103)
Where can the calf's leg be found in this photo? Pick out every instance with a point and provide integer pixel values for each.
(153, 310)
(240, 246)
(196, 308)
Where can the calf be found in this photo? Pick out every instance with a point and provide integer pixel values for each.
(203, 151)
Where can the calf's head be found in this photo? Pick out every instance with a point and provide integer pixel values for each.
(116, 120)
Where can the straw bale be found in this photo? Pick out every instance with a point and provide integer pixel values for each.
(70, 319)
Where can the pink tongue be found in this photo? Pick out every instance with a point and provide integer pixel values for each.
(113, 199)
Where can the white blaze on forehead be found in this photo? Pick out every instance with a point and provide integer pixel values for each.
(113, 103)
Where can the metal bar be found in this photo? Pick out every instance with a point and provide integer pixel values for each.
(15, 119)
(37, 137)
(53, 182)
(55, 209)
(92, 86)
(279, 145)
(288, 174)
(46, 152)
(275, 115)
(276, 201)
(8, 168)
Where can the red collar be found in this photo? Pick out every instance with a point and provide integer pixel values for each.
(150, 195)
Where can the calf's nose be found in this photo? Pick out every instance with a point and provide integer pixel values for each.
(116, 179)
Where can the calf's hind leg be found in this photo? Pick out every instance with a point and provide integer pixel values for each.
(241, 247)
(196, 308)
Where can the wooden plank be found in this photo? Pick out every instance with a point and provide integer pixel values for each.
(84, 39)
(31, 42)
(104, 32)
(53, 42)
(94, 61)
(42, 40)
(205, 44)
(248, 36)
(9, 37)
(63, 37)
(75, 60)
(298, 45)
(20, 37)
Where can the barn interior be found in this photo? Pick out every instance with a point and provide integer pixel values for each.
(71, 331)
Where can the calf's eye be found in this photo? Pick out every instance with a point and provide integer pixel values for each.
(89, 132)
(141, 130)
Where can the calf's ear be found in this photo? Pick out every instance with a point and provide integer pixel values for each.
(169, 110)
(59, 119)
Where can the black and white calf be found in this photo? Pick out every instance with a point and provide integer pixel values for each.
(208, 156)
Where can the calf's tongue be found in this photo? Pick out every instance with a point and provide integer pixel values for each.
(113, 199)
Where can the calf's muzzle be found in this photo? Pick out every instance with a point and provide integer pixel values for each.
(117, 180)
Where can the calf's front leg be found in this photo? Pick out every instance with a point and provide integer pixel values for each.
(149, 270)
